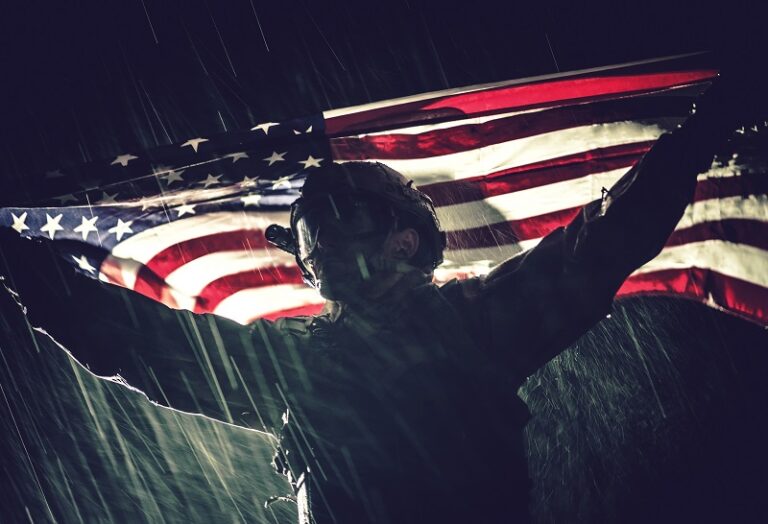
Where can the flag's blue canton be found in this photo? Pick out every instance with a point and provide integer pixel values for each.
(233, 154)
(103, 203)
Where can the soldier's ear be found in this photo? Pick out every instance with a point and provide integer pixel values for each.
(402, 245)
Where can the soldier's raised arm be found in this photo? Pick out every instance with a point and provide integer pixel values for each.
(534, 305)
(196, 363)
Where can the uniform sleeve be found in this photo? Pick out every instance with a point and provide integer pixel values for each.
(536, 304)
(195, 363)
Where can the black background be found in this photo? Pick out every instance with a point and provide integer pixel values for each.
(87, 79)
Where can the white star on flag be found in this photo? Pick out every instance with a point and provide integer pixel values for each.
(63, 199)
(159, 170)
(89, 184)
(275, 157)
(184, 209)
(297, 132)
(237, 156)
(52, 225)
(264, 127)
(282, 182)
(311, 162)
(86, 226)
(194, 142)
(123, 159)
(121, 229)
(251, 200)
(210, 180)
(248, 181)
(173, 176)
(106, 198)
(19, 222)
(83, 263)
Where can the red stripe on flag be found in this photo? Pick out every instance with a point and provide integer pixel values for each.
(741, 185)
(738, 231)
(704, 285)
(170, 259)
(510, 232)
(150, 285)
(741, 231)
(474, 136)
(510, 98)
(537, 174)
(564, 90)
(219, 289)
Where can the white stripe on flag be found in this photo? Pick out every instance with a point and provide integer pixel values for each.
(190, 279)
(740, 261)
(429, 128)
(122, 272)
(247, 304)
(527, 202)
(753, 207)
(505, 155)
(487, 257)
(146, 244)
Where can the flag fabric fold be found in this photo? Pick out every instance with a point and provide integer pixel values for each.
(504, 163)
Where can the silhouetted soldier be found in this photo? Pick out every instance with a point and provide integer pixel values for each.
(398, 402)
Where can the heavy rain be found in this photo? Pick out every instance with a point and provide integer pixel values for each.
(655, 415)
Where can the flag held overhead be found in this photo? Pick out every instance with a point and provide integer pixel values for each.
(505, 164)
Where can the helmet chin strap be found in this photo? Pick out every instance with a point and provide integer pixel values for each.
(380, 263)
(379, 268)
(383, 264)
(386, 274)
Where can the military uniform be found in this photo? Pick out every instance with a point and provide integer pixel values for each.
(404, 410)
(405, 418)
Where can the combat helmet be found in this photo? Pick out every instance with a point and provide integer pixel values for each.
(370, 198)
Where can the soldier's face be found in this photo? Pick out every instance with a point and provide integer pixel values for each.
(337, 238)
(344, 271)
(365, 271)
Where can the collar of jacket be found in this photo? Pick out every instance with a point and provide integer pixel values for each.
(382, 310)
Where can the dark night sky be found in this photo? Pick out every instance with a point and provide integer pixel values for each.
(89, 79)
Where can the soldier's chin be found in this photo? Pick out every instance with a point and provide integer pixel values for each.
(340, 289)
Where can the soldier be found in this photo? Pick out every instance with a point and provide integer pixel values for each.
(398, 402)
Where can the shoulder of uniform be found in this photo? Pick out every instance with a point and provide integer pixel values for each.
(450, 286)
(294, 325)
(460, 289)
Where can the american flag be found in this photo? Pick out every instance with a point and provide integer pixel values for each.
(505, 164)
